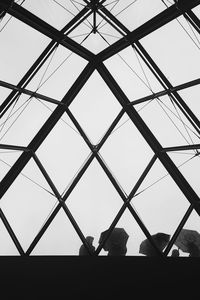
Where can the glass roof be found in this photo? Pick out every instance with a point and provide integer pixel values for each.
(99, 123)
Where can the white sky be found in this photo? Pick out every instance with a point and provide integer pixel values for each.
(94, 202)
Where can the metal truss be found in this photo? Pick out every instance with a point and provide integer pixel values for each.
(96, 62)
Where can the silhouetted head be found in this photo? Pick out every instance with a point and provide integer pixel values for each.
(90, 239)
(175, 253)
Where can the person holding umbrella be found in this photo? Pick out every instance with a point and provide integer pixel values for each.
(116, 242)
(189, 241)
(161, 240)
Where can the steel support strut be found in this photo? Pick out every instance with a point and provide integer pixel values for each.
(150, 138)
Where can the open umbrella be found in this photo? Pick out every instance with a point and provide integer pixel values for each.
(161, 240)
(186, 239)
(118, 237)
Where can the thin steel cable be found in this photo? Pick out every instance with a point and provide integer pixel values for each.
(78, 3)
(146, 104)
(161, 178)
(117, 13)
(111, 3)
(188, 34)
(8, 117)
(103, 19)
(59, 66)
(90, 24)
(143, 71)
(30, 179)
(2, 124)
(47, 67)
(45, 105)
(158, 101)
(64, 8)
(193, 31)
(9, 18)
(74, 176)
(113, 175)
(133, 71)
(110, 35)
(181, 120)
(26, 105)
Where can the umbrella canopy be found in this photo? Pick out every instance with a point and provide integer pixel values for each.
(118, 237)
(187, 238)
(161, 240)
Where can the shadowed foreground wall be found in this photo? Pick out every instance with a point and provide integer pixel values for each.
(65, 277)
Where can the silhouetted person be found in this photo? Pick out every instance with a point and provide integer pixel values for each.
(193, 250)
(83, 250)
(175, 253)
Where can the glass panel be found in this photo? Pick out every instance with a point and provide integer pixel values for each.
(3, 94)
(31, 200)
(56, 13)
(18, 49)
(19, 125)
(63, 153)
(189, 163)
(95, 107)
(126, 153)
(7, 247)
(159, 202)
(7, 160)
(173, 60)
(190, 96)
(170, 126)
(134, 13)
(132, 74)
(94, 202)
(59, 239)
(57, 74)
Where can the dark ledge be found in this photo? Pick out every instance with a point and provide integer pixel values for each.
(100, 276)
